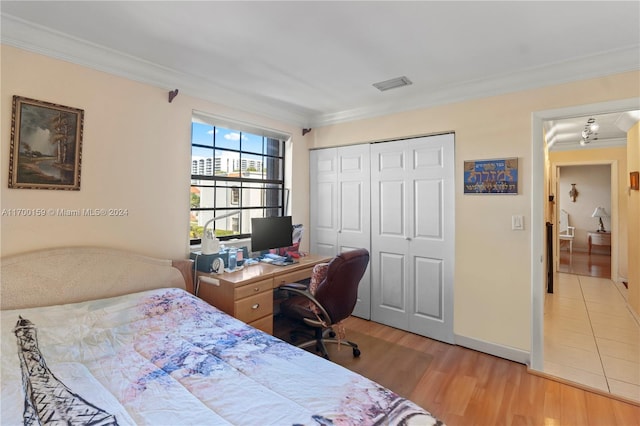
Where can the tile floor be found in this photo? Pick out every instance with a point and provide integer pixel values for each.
(591, 337)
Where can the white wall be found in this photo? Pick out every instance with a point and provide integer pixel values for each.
(612, 156)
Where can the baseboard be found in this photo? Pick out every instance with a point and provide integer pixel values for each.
(506, 352)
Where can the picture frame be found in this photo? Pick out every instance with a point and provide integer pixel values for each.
(494, 176)
(46, 145)
(634, 180)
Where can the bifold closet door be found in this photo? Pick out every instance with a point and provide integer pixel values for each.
(340, 208)
(323, 202)
(412, 235)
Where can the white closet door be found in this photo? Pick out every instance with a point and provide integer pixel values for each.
(354, 224)
(340, 218)
(323, 202)
(412, 237)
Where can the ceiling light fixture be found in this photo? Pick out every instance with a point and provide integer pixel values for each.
(392, 84)
(590, 132)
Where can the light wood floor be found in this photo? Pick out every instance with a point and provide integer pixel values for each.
(465, 387)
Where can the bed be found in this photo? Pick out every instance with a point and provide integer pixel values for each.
(98, 336)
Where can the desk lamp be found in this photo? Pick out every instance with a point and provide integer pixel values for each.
(600, 212)
(210, 244)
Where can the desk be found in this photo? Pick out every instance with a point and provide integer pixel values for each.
(599, 239)
(247, 294)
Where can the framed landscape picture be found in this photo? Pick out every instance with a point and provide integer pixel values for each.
(46, 145)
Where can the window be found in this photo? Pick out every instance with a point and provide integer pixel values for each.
(235, 196)
(234, 167)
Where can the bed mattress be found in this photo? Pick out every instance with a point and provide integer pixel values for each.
(165, 357)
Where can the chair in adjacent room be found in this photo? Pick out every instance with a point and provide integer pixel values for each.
(566, 232)
(329, 299)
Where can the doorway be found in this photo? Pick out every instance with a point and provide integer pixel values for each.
(587, 308)
(574, 221)
(542, 174)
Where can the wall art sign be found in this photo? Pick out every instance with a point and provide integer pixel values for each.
(491, 176)
(46, 145)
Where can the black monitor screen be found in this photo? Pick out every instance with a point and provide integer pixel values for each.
(271, 232)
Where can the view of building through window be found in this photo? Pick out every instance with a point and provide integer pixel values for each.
(234, 171)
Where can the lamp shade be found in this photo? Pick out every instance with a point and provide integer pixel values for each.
(600, 212)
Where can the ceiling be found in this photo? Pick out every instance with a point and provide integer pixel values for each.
(566, 134)
(313, 63)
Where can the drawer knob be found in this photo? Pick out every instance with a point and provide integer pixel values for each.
(256, 306)
(256, 289)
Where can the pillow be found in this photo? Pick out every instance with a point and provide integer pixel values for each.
(317, 276)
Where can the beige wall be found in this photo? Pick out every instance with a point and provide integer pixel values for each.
(616, 156)
(594, 185)
(136, 155)
(492, 285)
(633, 164)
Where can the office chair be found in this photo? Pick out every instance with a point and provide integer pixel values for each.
(334, 299)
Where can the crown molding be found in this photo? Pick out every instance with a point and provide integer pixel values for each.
(600, 143)
(628, 120)
(38, 39)
(45, 41)
(595, 66)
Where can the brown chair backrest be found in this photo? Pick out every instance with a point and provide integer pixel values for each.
(338, 292)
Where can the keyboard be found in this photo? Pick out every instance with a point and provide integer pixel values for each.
(283, 262)
(274, 257)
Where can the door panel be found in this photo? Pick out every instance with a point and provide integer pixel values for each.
(413, 235)
(427, 216)
(389, 290)
(389, 235)
(351, 207)
(326, 193)
(432, 244)
(323, 202)
(340, 208)
(428, 298)
(391, 204)
(354, 229)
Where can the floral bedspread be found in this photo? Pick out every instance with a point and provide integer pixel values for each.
(164, 357)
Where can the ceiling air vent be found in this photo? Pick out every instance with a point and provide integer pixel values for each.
(392, 84)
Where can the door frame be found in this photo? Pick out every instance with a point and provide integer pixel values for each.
(613, 195)
(538, 151)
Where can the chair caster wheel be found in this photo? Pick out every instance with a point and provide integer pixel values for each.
(356, 352)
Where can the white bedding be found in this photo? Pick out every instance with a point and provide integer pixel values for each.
(164, 357)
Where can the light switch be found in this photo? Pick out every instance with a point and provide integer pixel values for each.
(517, 223)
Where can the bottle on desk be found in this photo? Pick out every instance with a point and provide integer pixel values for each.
(233, 256)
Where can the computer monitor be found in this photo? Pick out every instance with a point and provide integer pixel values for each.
(271, 233)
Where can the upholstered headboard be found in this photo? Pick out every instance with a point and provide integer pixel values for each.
(76, 274)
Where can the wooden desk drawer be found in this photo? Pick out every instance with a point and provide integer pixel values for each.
(252, 289)
(265, 324)
(292, 277)
(254, 307)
